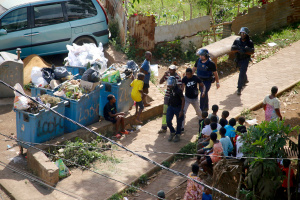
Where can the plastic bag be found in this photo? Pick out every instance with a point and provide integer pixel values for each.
(60, 72)
(91, 75)
(87, 54)
(63, 169)
(113, 77)
(20, 102)
(48, 74)
(37, 77)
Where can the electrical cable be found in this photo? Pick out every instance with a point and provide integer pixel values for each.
(121, 146)
(158, 152)
(82, 167)
(35, 179)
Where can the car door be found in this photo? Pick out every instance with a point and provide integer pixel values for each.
(18, 32)
(51, 32)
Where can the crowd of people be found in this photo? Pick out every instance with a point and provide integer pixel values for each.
(218, 134)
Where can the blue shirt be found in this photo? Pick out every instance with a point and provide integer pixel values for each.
(206, 196)
(230, 131)
(227, 145)
(146, 67)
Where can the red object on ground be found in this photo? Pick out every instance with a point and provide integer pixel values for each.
(125, 132)
(118, 136)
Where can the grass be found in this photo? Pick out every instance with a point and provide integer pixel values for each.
(247, 114)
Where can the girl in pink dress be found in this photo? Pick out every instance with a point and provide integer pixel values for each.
(193, 190)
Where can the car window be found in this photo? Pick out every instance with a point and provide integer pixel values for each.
(80, 9)
(48, 14)
(15, 20)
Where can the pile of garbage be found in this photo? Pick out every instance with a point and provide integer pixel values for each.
(49, 77)
(86, 55)
(70, 89)
(23, 103)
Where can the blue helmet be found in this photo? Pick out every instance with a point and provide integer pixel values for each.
(244, 30)
(203, 52)
(171, 81)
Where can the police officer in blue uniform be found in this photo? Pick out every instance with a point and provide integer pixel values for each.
(243, 48)
(207, 72)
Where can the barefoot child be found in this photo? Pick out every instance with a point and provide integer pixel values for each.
(110, 114)
(137, 95)
(215, 109)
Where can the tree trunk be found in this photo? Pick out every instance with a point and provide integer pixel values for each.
(183, 16)
(162, 3)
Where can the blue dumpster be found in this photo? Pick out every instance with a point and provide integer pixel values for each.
(76, 70)
(122, 92)
(84, 111)
(40, 127)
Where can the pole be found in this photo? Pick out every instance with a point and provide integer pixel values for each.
(298, 170)
(126, 21)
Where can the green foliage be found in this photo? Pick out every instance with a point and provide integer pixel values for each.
(84, 153)
(166, 164)
(143, 179)
(169, 50)
(28, 86)
(116, 197)
(152, 77)
(190, 148)
(114, 29)
(265, 140)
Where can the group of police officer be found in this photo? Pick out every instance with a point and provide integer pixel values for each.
(206, 71)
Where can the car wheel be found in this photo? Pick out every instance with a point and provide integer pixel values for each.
(84, 40)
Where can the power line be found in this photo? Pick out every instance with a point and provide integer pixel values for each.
(35, 179)
(83, 167)
(158, 152)
(112, 141)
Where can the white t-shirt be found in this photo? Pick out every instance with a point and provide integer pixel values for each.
(273, 102)
(207, 129)
(239, 144)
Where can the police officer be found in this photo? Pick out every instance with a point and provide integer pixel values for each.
(243, 48)
(207, 72)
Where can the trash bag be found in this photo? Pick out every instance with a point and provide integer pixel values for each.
(113, 77)
(48, 74)
(91, 75)
(132, 65)
(63, 169)
(60, 72)
(20, 102)
(37, 77)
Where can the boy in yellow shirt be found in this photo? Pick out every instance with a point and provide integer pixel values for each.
(137, 95)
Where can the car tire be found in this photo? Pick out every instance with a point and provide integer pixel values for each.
(85, 40)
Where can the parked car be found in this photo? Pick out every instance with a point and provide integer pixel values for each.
(45, 27)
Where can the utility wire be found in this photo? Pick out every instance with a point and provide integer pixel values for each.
(35, 179)
(82, 167)
(158, 152)
(121, 146)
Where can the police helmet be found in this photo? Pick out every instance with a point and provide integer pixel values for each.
(171, 81)
(203, 52)
(244, 30)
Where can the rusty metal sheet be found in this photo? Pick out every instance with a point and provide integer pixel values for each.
(183, 29)
(142, 29)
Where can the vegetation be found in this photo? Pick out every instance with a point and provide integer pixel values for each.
(84, 153)
(143, 179)
(190, 148)
(265, 140)
(247, 114)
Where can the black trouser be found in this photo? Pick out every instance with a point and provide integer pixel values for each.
(243, 66)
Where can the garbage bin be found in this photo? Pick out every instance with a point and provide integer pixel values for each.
(40, 127)
(122, 92)
(11, 72)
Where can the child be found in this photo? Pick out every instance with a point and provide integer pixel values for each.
(215, 109)
(145, 69)
(240, 125)
(206, 194)
(193, 190)
(285, 170)
(214, 119)
(201, 123)
(226, 142)
(223, 122)
(110, 114)
(137, 95)
(217, 151)
(230, 131)
(224, 115)
(206, 133)
(161, 194)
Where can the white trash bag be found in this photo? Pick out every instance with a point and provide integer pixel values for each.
(80, 56)
(37, 77)
(20, 102)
